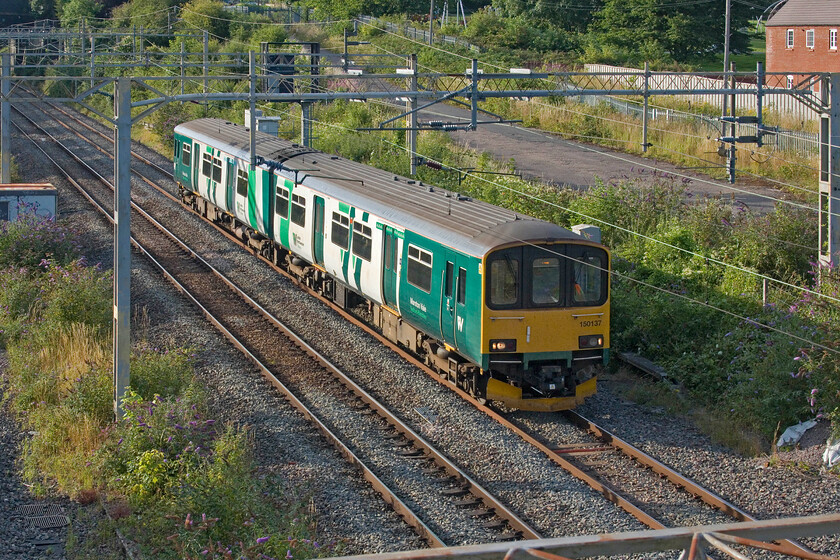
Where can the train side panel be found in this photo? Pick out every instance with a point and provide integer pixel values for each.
(439, 291)
(183, 160)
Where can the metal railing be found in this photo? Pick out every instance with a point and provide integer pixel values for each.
(692, 541)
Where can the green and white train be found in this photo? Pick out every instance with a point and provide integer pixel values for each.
(510, 308)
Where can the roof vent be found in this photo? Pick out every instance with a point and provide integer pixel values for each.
(431, 189)
(333, 157)
(410, 182)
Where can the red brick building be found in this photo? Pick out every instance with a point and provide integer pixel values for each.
(802, 36)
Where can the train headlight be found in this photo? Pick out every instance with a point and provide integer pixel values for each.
(591, 341)
(503, 345)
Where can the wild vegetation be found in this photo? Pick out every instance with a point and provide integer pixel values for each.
(177, 481)
(743, 365)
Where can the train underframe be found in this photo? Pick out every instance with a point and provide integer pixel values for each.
(544, 387)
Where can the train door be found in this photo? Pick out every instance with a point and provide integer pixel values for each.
(229, 184)
(447, 300)
(460, 305)
(390, 274)
(196, 156)
(318, 242)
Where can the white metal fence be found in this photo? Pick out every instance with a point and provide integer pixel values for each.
(781, 103)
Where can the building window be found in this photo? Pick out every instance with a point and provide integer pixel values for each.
(362, 241)
(790, 38)
(341, 230)
(281, 204)
(832, 39)
(419, 271)
(298, 210)
(809, 38)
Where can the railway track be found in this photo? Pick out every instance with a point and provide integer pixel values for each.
(444, 499)
(581, 459)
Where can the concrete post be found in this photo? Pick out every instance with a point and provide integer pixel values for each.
(306, 124)
(732, 128)
(411, 118)
(644, 113)
(829, 236)
(122, 241)
(92, 59)
(474, 96)
(182, 68)
(6, 123)
(252, 89)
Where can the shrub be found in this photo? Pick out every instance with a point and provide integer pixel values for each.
(165, 373)
(33, 238)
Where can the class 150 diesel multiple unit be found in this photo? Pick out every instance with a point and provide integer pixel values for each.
(509, 308)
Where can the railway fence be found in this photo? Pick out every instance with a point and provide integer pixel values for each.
(407, 30)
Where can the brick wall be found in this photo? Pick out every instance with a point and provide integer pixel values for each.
(800, 58)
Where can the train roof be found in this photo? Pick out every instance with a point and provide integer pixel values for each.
(471, 226)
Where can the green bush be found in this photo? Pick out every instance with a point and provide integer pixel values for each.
(165, 373)
(33, 238)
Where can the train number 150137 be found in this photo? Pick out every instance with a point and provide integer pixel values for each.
(592, 323)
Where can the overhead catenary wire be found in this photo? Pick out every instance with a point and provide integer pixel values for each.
(651, 286)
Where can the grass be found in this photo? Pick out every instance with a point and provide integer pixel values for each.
(162, 470)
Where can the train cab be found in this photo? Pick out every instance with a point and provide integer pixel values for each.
(537, 299)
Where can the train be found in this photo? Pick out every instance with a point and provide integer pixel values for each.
(509, 308)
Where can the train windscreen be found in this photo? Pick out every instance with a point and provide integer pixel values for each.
(537, 276)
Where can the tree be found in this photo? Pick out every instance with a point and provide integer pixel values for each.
(569, 15)
(207, 15)
(71, 12)
(669, 30)
(43, 9)
(153, 15)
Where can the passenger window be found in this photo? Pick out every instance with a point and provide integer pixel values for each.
(447, 279)
(341, 230)
(362, 241)
(281, 203)
(298, 210)
(545, 281)
(207, 165)
(185, 154)
(462, 286)
(419, 270)
(242, 182)
(504, 281)
(217, 170)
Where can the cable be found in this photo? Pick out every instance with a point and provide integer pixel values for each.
(708, 259)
